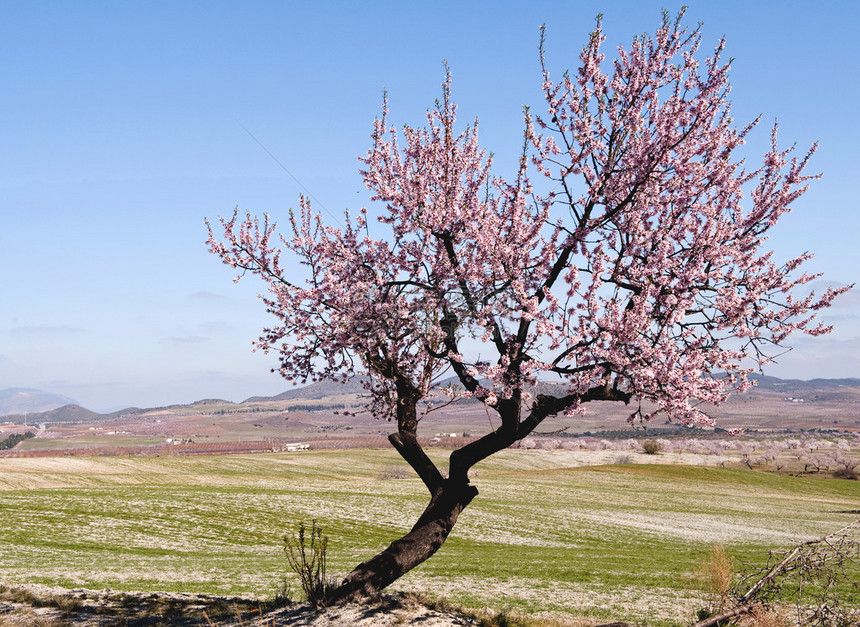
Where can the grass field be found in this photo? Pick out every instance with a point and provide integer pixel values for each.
(547, 535)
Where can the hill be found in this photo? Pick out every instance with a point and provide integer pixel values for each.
(314, 391)
(773, 403)
(30, 401)
(70, 413)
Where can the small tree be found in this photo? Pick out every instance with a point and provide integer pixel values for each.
(639, 278)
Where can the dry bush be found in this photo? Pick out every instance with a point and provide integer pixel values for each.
(395, 472)
(17, 595)
(764, 617)
(818, 577)
(715, 576)
(651, 447)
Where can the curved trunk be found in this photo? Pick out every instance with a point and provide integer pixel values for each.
(425, 538)
(448, 496)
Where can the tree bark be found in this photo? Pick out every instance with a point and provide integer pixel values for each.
(425, 538)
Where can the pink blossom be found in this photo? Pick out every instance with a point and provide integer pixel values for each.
(642, 278)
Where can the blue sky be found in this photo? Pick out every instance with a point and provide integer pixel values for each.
(122, 129)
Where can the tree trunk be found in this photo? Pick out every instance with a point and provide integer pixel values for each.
(425, 538)
(448, 497)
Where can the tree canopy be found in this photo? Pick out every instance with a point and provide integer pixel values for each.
(625, 257)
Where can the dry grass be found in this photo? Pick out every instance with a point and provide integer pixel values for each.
(715, 574)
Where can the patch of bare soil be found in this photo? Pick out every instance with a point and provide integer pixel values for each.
(43, 606)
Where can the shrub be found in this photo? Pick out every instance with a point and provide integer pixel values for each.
(306, 555)
(846, 473)
(651, 447)
(715, 575)
(395, 472)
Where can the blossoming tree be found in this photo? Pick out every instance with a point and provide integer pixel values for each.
(639, 276)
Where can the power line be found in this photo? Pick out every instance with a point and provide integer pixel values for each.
(310, 194)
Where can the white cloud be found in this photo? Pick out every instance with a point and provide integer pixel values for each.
(818, 358)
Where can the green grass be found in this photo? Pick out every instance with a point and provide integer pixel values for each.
(543, 536)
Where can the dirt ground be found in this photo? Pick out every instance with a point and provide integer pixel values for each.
(44, 606)
(53, 607)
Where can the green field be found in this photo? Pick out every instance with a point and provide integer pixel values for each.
(546, 535)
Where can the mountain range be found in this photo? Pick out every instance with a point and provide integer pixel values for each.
(30, 401)
(44, 407)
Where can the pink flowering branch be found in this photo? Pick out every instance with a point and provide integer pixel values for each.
(642, 277)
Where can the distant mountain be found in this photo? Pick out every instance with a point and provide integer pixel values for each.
(832, 390)
(324, 389)
(314, 391)
(30, 401)
(765, 382)
(16, 402)
(73, 413)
